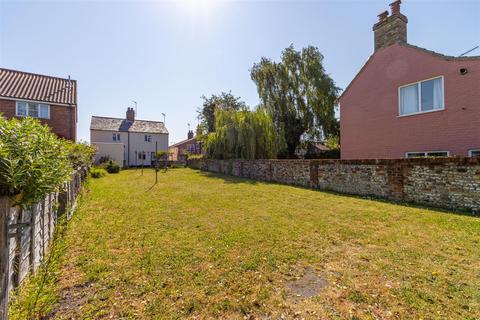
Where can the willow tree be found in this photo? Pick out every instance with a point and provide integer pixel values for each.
(223, 101)
(243, 135)
(298, 94)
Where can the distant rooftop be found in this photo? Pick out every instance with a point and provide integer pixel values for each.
(118, 124)
(30, 86)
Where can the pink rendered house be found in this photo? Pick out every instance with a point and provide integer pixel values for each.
(409, 102)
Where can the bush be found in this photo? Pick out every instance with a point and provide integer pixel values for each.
(33, 161)
(103, 159)
(112, 167)
(97, 172)
(81, 154)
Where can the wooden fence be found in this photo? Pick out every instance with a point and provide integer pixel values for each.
(25, 234)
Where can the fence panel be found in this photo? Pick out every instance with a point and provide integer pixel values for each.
(25, 234)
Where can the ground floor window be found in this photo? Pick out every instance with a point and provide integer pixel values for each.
(422, 154)
(474, 153)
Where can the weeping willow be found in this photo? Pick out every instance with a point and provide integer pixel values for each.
(243, 135)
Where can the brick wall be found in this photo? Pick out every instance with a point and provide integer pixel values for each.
(62, 118)
(452, 183)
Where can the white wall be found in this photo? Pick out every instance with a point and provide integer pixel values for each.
(115, 151)
(138, 145)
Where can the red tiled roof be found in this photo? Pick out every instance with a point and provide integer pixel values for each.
(36, 87)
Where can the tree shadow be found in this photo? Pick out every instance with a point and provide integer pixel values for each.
(230, 179)
(237, 180)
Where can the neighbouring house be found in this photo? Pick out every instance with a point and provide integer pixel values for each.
(129, 142)
(52, 100)
(180, 150)
(407, 101)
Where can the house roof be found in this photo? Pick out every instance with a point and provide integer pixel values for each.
(439, 55)
(183, 142)
(118, 124)
(37, 87)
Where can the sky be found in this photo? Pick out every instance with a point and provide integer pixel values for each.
(167, 54)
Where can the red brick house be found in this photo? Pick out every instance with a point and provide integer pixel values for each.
(408, 102)
(50, 99)
(180, 150)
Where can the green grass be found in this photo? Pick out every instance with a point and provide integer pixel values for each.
(201, 246)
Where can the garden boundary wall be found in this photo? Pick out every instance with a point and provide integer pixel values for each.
(451, 183)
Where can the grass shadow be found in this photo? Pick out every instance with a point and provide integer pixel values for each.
(230, 179)
(235, 180)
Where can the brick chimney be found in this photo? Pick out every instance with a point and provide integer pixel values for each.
(190, 134)
(390, 29)
(130, 114)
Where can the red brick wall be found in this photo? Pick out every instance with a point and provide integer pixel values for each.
(63, 119)
(369, 122)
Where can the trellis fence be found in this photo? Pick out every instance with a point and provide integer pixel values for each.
(25, 234)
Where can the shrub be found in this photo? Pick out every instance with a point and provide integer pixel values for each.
(103, 159)
(33, 161)
(81, 154)
(112, 167)
(97, 172)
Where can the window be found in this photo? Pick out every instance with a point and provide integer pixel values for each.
(423, 96)
(31, 109)
(474, 153)
(118, 136)
(148, 138)
(427, 154)
(114, 137)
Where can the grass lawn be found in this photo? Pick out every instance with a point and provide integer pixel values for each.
(202, 246)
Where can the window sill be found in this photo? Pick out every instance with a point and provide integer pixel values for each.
(419, 113)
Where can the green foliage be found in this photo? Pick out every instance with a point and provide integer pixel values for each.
(206, 114)
(112, 167)
(332, 142)
(298, 94)
(194, 156)
(81, 154)
(33, 161)
(243, 135)
(98, 172)
(161, 155)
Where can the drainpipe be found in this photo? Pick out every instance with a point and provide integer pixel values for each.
(128, 148)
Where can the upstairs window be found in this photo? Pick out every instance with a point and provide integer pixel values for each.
(148, 138)
(116, 137)
(32, 109)
(423, 96)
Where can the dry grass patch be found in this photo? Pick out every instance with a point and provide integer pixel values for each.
(202, 246)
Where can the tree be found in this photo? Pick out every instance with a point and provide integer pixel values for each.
(243, 134)
(224, 101)
(299, 95)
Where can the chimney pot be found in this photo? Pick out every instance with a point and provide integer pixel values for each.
(382, 16)
(395, 7)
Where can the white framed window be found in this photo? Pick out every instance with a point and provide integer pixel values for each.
(475, 153)
(114, 137)
(422, 154)
(422, 96)
(32, 109)
(148, 138)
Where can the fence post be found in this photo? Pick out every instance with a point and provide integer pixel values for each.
(4, 259)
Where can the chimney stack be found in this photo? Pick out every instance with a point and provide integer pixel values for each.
(390, 29)
(190, 134)
(130, 114)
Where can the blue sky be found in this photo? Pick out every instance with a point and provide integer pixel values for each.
(166, 54)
